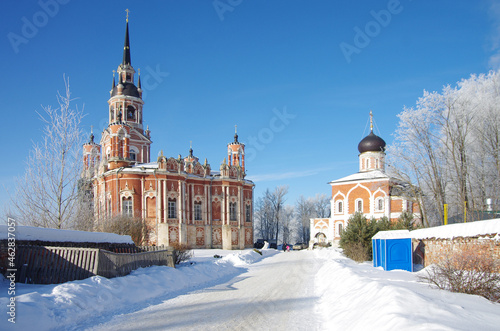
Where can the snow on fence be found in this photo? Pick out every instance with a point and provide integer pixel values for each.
(53, 265)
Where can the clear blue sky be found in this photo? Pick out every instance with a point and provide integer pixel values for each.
(208, 69)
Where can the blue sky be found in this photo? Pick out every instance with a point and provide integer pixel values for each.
(297, 77)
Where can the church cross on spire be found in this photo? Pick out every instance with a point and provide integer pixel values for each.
(126, 47)
(371, 121)
(235, 134)
(128, 11)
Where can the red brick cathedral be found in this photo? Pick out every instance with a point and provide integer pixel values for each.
(180, 199)
(370, 191)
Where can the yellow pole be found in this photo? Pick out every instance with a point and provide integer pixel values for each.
(445, 214)
(465, 211)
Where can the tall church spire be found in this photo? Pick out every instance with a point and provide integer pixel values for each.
(126, 47)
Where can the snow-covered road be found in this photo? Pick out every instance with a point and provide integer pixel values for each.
(276, 293)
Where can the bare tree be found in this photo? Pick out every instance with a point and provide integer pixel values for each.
(47, 194)
(277, 201)
(270, 214)
(264, 216)
(135, 227)
(322, 205)
(448, 145)
(304, 209)
(287, 219)
(307, 208)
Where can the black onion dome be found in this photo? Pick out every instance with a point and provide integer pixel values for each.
(128, 89)
(371, 143)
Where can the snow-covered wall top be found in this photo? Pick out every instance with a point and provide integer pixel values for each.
(472, 229)
(56, 235)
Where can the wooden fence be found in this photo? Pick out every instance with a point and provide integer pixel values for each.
(53, 265)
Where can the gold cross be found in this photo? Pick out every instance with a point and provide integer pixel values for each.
(128, 11)
(235, 129)
(371, 120)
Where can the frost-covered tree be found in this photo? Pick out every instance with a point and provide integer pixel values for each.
(307, 208)
(47, 194)
(288, 228)
(263, 216)
(270, 213)
(304, 209)
(448, 146)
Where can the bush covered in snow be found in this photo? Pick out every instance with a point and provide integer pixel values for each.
(469, 271)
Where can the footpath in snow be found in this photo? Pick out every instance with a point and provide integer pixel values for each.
(319, 290)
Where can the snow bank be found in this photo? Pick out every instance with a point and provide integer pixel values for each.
(56, 235)
(360, 297)
(472, 229)
(63, 306)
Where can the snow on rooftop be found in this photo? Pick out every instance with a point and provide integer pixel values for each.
(394, 234)
(57, 235)
(375, 174)
(472, 229)
(150, 165)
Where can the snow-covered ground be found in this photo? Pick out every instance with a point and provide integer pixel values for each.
(313, 290)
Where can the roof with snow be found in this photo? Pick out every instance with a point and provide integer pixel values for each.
(56, 235)
(460, 230)
(394, 234)
(368, 175)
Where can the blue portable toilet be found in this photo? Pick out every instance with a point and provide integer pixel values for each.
(393, 250)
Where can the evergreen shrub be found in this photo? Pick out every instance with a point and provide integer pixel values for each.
(356, 239)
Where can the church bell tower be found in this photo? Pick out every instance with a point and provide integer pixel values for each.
(124, 141)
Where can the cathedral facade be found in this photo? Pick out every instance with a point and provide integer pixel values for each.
(180, 200)
(370, 191)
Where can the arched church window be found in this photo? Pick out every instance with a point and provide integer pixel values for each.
(380, 204)
(232, 211)
(341, 228)
(130, 113)
(172, 208)
(197, 211)
(359, 205)
(339, 206)
(367, 163)
(127, 207)
(112, 114)
(248, 211)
